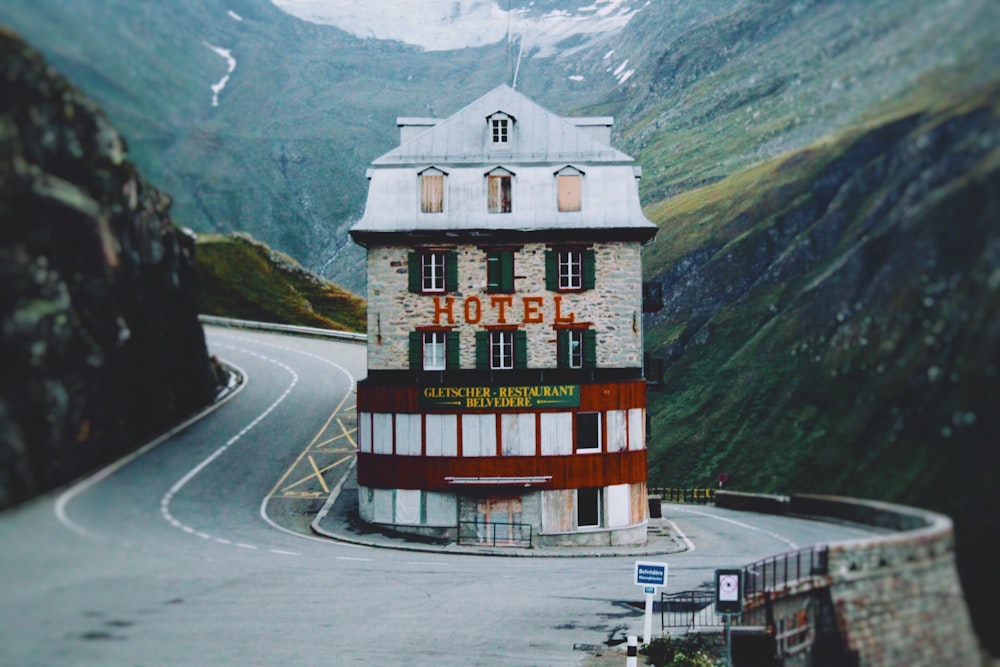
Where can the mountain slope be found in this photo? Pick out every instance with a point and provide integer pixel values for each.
(832, 322)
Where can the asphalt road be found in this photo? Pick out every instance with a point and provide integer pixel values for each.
(196, 551)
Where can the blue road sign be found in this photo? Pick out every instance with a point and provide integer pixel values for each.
(650, 574)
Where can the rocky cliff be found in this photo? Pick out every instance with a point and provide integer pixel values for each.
(101, 343)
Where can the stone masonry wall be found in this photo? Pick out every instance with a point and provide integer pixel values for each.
(614, 306)
(896, 599)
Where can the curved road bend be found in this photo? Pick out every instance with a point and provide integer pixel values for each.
(196, 552)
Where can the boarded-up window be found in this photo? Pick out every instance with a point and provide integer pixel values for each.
(382, 433)
(479, 435)
(617, 436)
(517, 434)
(557, 433)
(408, 435)
(569, 192)
(432, 191)
(636, 429)
(408, 506)
(364, 432)
(442, 435)
(619, 506)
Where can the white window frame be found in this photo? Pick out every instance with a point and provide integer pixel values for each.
(574, 356)
(435, 352)
(500, 130)
(585, 450)
(502, 349)
(432, 272)
(570, 269)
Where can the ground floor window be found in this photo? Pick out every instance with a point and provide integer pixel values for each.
(588, 507)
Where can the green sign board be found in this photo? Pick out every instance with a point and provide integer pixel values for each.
(498, 398)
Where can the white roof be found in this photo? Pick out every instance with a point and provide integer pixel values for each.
(540, 144)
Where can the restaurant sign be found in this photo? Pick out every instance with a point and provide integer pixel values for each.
(490, 398)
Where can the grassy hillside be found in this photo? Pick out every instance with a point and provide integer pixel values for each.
(832, 321)
(242, 278)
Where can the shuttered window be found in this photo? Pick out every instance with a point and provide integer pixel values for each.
(570, 270)
(434, 350)
(501, 349)
(576, 348)
(433, 271)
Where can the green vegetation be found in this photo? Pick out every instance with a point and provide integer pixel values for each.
(242, 278)
(691, 650)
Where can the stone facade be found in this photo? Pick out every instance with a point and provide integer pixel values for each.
(614, 306)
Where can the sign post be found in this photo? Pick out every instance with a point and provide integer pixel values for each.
(650, 576)
(729, 602)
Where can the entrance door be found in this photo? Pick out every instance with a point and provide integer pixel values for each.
(498, 520)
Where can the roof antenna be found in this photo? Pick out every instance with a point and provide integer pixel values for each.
(517, 67)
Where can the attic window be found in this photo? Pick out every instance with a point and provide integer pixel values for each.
(569, 181)
(501, 128)
(432, 190)
(498, 191)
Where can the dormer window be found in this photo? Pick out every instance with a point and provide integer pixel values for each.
(432, 190)
(569, 187)
(500, 127)
(498, 190)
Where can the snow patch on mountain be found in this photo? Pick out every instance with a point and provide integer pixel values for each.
(444, 25)
(231, 64)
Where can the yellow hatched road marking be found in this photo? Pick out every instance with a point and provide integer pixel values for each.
(313, 446)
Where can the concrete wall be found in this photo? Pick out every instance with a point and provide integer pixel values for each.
(889, 600)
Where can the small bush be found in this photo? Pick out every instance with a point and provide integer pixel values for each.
(684, 651)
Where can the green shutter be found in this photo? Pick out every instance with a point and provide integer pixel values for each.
(562, 348)
(507, 271)
(413, 267)
(588, 268)
(451, 271)
(482, 349)
(589, 348)
(520, 349)
(451, 350)
(416, 351)
(492, 272)
(551, 270)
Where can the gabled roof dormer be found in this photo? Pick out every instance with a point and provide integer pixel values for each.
(500, 127)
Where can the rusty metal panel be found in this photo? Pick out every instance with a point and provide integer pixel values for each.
(517, 434)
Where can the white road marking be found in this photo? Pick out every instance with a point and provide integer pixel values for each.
(741, 524)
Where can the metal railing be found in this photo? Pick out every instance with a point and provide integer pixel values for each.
(689, 609)
(777, 572)
(494, 534)
(677, 495)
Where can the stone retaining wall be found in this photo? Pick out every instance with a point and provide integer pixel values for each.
(888, 600)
